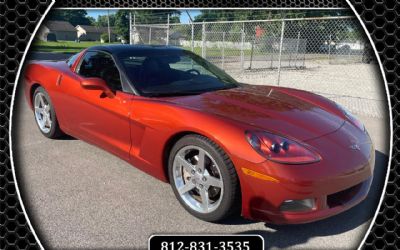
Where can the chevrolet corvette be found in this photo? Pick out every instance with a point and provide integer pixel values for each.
(269, 153)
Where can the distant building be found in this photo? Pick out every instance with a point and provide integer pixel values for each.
(176, 38)
(93, 33)
(57, 30)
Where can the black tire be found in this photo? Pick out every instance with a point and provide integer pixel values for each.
(55, 131)
(231, 198)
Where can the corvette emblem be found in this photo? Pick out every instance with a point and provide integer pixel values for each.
(355, 147)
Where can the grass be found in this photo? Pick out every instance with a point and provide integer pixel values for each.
(74, 47)
(216, 52)
(62, 46)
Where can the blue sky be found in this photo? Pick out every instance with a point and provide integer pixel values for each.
(184, 16)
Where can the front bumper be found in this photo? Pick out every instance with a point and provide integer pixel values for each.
(322, 210)
(338, 182)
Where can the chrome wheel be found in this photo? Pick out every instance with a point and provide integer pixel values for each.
(42, 112)
(198, 179)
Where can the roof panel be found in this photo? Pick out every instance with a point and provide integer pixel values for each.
(59, 26)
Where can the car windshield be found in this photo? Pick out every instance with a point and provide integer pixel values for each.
(173, 72)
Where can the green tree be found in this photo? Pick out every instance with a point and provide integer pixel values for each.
(92, 20)
(104, 37)
(75, 17)
(143, 17)
(240, 15)
(156, 16)
(122, 23)
(103, 22)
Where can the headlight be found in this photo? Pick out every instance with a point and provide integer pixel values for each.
(352, 118)
(280, 149)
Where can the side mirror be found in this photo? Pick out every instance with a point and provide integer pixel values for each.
(95, 83)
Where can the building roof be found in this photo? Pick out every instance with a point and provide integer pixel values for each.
(95, 29)
(59, 26)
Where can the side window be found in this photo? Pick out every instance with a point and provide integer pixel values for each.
(72, 60)
(101, 65)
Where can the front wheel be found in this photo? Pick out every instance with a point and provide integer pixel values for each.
(45, 115)
(204, 179)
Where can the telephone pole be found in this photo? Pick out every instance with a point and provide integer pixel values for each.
(108, 24)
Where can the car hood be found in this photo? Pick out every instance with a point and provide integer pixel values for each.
(274, 109)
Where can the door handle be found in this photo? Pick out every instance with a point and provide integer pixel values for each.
(59, 78)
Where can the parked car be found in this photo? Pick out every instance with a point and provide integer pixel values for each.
(325, 48)
(270, 153)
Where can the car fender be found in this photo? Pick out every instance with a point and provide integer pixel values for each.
(154, 124)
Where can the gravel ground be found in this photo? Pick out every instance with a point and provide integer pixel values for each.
(79, 196)
(357, 86)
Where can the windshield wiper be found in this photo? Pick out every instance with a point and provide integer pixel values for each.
(194, 92)
(177, 93)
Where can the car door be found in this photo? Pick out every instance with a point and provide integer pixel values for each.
(92, 116)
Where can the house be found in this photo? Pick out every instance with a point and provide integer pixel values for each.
(57, 30)
(176, 38)
(93, 33)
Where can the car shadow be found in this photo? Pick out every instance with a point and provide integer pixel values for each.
(283, 236)
(65, 137)
(236, 220)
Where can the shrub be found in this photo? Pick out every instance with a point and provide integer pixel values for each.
(104, 37)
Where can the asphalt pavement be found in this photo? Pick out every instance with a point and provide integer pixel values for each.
(79, 196)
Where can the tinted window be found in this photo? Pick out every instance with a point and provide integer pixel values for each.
(101, 65)
(72, 60)
(173, 72)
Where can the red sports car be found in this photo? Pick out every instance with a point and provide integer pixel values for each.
(273, 154)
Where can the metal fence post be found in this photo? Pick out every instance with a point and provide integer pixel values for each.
(297, 48)
(280, 52)
(150, 35)
(130, 28)
(242, 50)
(134, 29)
(192, 45)
(251, 54)
(108, 26)
(329, 48)
(348, 55)
(167, 42)
(203, 38)
(223, 49)
(272, 52)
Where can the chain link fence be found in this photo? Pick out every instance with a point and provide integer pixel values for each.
(328, 55)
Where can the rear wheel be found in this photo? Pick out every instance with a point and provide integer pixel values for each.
(204, 179)
(45, 115)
